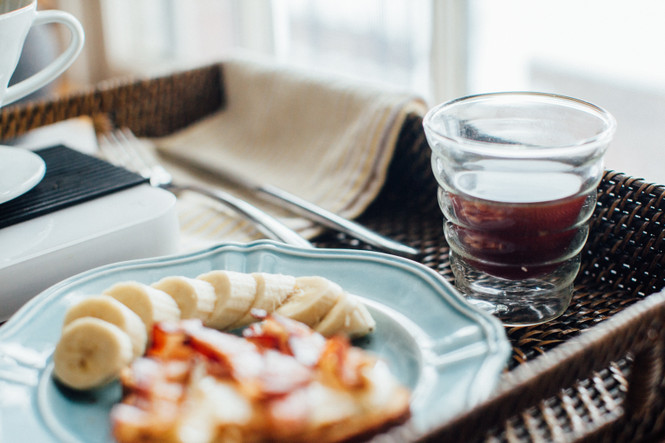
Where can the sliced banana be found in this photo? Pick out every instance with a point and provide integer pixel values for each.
(111, 310)
(348, 316)
(91, 352)
(234, 292)
(194, 297)
(151, 304)
(314, 298)
(271, 291)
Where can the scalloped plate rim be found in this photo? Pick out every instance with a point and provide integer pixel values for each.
(493, 358)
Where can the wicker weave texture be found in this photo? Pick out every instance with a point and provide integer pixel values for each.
(150, 107)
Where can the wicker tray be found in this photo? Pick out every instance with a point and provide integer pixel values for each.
(596, 373)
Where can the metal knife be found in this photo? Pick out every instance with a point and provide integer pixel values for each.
(295, 204)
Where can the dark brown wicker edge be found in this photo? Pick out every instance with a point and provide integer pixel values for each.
(595, 373)
(151, 107)
(638, 331)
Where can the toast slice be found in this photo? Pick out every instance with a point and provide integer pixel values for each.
(280, 382)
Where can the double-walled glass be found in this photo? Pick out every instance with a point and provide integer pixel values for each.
(517, 174)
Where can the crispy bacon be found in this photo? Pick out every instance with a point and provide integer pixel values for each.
(153, 393)
(169, 341)
(282, 374)
(343, 364)
(227, 354)
(279, 367)
(288, 337)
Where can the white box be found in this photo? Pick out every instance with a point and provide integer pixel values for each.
(134, 223)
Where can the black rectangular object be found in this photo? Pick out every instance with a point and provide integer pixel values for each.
(71, 177)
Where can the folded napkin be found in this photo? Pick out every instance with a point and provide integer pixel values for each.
(326, 139)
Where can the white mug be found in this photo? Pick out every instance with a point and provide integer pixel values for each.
(16, 19)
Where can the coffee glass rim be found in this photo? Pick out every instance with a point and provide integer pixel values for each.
(24, 4)
(525, 150)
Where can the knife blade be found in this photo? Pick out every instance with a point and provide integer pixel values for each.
(294, 203)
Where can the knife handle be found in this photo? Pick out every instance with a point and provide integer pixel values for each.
(334, 221)
(267, 224)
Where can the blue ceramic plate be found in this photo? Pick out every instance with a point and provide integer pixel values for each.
(449, 354)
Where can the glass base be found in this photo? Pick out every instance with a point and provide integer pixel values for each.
(517, 302)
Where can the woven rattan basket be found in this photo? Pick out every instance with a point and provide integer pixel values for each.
(596, 373)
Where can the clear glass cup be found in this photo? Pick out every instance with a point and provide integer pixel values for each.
(518, 175)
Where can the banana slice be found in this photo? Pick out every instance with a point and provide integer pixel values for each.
(314, 298)
(91, 352)
(151, 304)
(195, 298)
(271, 291)
(111, 310)
(348, 316)
(234, 292)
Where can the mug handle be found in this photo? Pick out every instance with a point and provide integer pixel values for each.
(57, 66)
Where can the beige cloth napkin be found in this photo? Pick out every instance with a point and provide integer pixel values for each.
(326, 139)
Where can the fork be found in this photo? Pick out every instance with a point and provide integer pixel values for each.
(122, 148)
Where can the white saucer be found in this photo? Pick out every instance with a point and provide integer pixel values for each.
(20, 171)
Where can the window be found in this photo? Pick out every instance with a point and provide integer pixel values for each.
(605, 51)
(375, 40)
(386, 42)
(608, 52)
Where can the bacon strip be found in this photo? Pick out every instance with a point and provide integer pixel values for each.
(279, 366)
